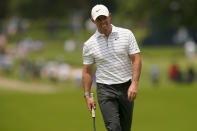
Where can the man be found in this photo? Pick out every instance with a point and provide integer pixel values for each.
(115, 52)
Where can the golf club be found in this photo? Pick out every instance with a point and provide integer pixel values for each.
(93, 112)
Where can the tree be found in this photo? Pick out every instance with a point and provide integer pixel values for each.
(162, 14)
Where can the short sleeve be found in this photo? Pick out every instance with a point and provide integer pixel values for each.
(133, 46)
(87, 55)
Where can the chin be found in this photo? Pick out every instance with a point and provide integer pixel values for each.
(104, 30)
(104, 27)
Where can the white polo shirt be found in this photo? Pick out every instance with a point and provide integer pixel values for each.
(111, 55)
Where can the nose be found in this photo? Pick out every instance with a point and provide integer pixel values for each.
(102, 20)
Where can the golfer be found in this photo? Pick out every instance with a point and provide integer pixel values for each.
(116, 54)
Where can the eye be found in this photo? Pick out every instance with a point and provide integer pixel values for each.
(104, 17)
(98, 19)
(101, 18)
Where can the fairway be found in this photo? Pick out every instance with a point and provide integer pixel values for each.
(164, 109)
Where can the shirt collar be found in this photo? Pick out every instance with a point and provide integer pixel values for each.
(114, 30)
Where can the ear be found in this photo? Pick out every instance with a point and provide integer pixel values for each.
(109, 15)
(92, 20)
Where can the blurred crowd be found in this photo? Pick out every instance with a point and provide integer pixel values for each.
(16, 59)
(175, 74)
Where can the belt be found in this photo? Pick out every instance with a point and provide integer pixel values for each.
(120, 84)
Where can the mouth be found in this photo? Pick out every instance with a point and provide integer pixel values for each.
(104, 25)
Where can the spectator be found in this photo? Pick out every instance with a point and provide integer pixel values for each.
(190, 49)
(175, 73)
(90, 26)
(69, 46)
(190, 75)
(154, 72)
(13, 26)
(52, 27)
(3, 42)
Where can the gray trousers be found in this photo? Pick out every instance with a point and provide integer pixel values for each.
(116, 109)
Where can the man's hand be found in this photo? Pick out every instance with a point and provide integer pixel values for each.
(90, 103)
(132, 92)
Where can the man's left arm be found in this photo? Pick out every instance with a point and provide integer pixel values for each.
(136, 68)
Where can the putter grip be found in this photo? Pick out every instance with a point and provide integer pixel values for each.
(93, 111)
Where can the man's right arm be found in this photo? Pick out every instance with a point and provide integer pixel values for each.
(87, 83)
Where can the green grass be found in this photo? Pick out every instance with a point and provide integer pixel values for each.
(172, 109)
(165, 109)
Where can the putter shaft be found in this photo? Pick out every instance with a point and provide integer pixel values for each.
(94, 123)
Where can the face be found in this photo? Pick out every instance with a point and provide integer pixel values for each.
(103, 23)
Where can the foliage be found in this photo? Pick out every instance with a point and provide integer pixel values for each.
(159, 14)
